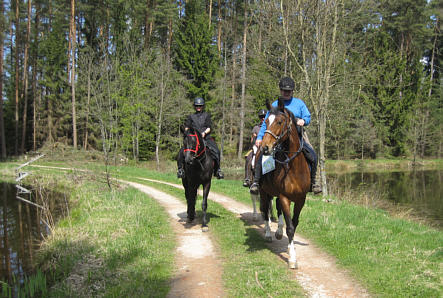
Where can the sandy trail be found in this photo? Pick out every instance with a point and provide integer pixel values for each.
(198, 269)
(317, 272)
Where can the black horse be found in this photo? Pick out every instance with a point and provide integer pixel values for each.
(199, 167)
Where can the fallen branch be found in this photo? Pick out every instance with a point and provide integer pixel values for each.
(259, 284)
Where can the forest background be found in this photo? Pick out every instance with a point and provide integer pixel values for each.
(121, 75)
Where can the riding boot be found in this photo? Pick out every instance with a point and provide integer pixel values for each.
(315, 187)
(257, 175)
(180, 163)
(218, 173)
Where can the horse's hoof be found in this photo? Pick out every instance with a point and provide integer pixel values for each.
(190, 219)
(278, 236)
(205, 229)
(293, 265)
(268, 238)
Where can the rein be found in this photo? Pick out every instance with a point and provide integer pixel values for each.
(277, 148)
(195, 151)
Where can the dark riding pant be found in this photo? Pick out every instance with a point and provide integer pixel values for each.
(215, 152)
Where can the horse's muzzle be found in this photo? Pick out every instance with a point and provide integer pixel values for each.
(189, 160)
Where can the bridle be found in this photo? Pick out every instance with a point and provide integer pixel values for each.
(197, 147)
(277, 145)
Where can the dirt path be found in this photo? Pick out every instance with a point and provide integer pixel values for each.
(317, 272)
(198, 269)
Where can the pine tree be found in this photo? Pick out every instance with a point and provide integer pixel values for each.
(196, 53)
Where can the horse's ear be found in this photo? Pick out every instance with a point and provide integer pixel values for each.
(281, 103)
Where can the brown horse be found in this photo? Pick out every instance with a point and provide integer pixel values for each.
(290, 180)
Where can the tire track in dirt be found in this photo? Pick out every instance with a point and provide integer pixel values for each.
(317, 272)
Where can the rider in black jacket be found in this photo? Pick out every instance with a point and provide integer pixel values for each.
(201, 121)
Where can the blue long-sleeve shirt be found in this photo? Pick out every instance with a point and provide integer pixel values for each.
(296, 106)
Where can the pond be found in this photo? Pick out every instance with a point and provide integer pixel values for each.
(419, 190)
(23, 226)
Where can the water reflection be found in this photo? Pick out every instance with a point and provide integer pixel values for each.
(22, 228)
(420, 190)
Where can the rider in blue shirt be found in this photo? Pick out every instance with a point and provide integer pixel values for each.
(300, 111)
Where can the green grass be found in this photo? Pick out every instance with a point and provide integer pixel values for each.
(114, 243)
(390, 256)
(244, 253)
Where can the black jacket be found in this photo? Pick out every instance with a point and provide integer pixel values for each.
(200, 121)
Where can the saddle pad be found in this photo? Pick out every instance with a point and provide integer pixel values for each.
(268, 164)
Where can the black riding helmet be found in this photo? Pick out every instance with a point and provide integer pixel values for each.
(286, 83)
(198, 101)
(261, 113)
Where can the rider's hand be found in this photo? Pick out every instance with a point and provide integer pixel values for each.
(300, 122)
(258, 143)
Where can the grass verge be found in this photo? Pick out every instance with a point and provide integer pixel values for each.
(114, 243)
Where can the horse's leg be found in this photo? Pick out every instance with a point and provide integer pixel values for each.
(191, 196)
(206, 189)
(279, 232)
(286, 208)
(254, 198)
(298, 205)
(264, 208)
(271, 210)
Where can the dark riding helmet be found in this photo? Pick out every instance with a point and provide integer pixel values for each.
(261, 113)
(198, 101)
(286, 83)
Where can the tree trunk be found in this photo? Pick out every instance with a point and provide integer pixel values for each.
(34, 79)
(168, 57)
(72, 61)
(85, 142)
(159, 123)
(243, 83)
(219, 27)
(2, 121)
(210, 13)
(233, 78)
(17, 32)
(25, 78)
